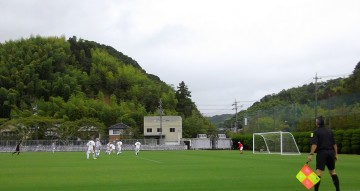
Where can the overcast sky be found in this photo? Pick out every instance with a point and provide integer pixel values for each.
(224, 50)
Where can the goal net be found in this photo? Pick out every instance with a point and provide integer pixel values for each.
(275, 143)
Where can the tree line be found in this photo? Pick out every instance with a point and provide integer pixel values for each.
(294, 110)
(48, 82)
(348, 141)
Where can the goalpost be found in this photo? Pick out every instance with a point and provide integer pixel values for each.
(275, 143)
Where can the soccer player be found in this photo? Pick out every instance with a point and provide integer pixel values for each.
(137, 147)
(91, 148)
(53, 147)
(119, 144)
(323, 142)
(97, 147)
(17, 149)
(112, 148)
(107, 148)
(240, 147)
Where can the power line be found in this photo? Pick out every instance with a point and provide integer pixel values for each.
(218, 109)
(248, 101)
(335, 76)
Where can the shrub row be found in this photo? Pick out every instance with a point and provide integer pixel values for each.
(348, 141)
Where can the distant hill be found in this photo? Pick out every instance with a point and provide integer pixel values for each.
(294, 109)
(218, 120)
(47, 81)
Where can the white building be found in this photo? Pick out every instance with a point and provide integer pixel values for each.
(201, 142)
(168, 129)
(221, 142)
(119, 131)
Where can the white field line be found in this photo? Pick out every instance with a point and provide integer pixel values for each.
(155, 161)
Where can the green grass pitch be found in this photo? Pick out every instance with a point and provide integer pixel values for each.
(165, 171)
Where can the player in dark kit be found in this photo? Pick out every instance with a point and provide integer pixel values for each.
(323, 142)
(17, 149)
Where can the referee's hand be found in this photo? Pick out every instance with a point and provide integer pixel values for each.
(309, 158)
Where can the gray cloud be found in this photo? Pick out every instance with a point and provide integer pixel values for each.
(223, 50)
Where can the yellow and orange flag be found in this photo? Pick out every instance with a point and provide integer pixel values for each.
(307, 177)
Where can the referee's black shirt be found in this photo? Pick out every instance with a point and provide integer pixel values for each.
(324, 139)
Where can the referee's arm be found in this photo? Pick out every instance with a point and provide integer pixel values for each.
(336, 151)
(312, 151)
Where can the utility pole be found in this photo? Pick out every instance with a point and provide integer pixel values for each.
(316, 94)
(161, 113)
(236, 116)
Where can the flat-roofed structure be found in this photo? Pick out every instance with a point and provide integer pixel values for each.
(166, 129)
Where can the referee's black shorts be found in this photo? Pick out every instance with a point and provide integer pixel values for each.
(325, 158)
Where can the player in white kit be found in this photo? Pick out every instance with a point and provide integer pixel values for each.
(107, 148)
(119, 144)
(112, 148)
(91, 149)
(137, 147)
(97, 147)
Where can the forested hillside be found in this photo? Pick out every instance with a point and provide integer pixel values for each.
(53, 82)
(294, 109)
(218, 120)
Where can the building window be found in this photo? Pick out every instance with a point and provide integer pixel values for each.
(116, 132)
(159, 130)
(149, 130)
(172, 130)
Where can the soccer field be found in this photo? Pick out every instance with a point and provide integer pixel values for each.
(165, 171)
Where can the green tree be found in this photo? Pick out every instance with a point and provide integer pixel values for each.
(90, 128)
(355, 141)
(352, 84)
(67, 131)
(197, 124)
(184, 106)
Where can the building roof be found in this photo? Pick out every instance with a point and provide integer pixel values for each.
(119, 126)
(88, 128)
(164, 118)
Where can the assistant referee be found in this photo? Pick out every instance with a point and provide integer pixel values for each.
(324, 144)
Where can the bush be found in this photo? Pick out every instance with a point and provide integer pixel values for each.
(297, 139)
(345, 149)
(246, 140)
(306, 141)
(355, 142)
(346, 142)
(339, 138)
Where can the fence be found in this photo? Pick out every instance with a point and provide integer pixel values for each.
(341, 113)
(68, 146)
